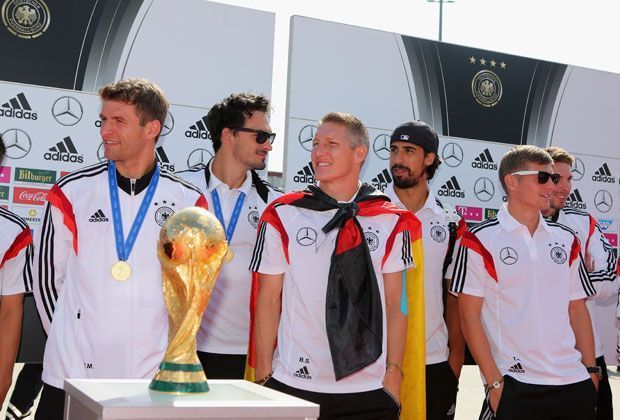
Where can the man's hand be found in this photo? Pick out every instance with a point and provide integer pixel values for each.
(392, 381)
(595, 379)
(456, 360)
(495, 394)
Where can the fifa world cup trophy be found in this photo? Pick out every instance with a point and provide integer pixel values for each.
(191, 248)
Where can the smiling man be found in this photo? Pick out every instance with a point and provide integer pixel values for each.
(600, 262)
(241, 135)
(330, 263)
(97, 276)
(522, 286)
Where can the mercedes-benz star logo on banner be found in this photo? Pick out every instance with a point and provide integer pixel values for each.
(67, 111)
(484, 189)
(305, 137)
(168, 125)
(452, 154)
(578, 170)
(603, 201)
(17, 143)
(101, 153)
(199, 158)
(508, 256)
(306, 236)
(381, 146)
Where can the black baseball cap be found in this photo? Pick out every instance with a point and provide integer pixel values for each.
(418, 133)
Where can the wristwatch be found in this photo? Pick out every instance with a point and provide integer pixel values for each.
(595, 369)
(495, 384)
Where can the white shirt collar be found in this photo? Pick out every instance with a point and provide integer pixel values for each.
(509, 223)
(430, 203)
(215, 182)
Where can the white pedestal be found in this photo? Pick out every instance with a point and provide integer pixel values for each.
(94, 399)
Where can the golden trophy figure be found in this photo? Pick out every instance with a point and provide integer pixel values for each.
(191, 248)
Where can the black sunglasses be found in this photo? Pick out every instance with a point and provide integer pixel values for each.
(261, 136)
(543, 177)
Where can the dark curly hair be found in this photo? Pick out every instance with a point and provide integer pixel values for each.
(232, 113)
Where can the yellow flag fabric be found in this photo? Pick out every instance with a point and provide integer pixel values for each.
(413, 389)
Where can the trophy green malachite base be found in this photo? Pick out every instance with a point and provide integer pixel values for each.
(180, 378)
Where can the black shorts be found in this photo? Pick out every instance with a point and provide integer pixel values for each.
(222, 366)
(543, 402)
(369, 405)
(441, 388)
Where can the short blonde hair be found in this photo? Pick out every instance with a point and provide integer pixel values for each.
(357, 129)
(517, 159)
(560, 155)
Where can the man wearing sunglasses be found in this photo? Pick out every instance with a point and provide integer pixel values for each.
(239, 129)
(600, 261)
(522, 285)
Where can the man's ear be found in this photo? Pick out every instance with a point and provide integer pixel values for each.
(429, 158)
(360, 154)
(153, 128)
(227, 136)
(511, 182)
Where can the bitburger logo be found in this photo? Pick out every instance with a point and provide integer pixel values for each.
(18, 107)
(305, 175)
(451, 189)
(198, 130)
(26, 19)
(484, 161)
(64, 151)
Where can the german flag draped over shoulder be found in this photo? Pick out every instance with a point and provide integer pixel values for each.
(368, 202)
(413, 388)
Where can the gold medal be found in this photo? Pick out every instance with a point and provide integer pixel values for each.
(120, 270)
(228, 257)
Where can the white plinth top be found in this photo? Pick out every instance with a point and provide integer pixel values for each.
(128, 398)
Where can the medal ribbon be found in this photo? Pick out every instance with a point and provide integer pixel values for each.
(124, 247)
(234, 218)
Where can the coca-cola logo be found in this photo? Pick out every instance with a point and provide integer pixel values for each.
(34, 196)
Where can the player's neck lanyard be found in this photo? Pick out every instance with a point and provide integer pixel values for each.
(124, 247)
(234, 218)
